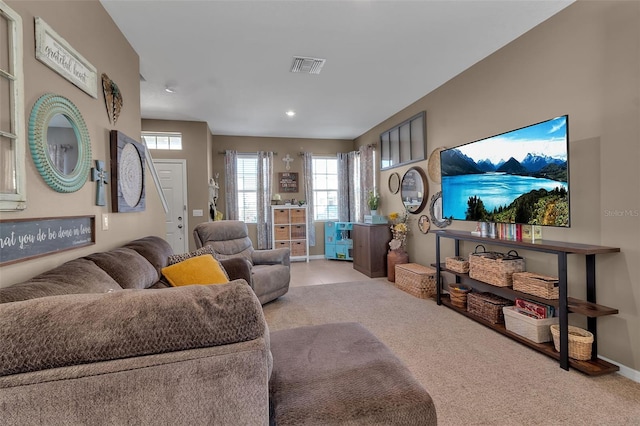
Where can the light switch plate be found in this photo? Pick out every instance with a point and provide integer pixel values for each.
(105, 222)
(197, 213)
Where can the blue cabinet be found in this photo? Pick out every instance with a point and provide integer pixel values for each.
(337, 240)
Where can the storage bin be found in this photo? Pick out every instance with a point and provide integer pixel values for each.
(536, 284)
(281, 244)
(457, 264)
(458, 295)
(495, 268)
(487, 306)
(580, 342)
(536, 330)
(298, 248)
(282, 232)
(281, 216)
(416, 279)
(298, 232)
(298, 216)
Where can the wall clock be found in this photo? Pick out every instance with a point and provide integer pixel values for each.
(127, 173)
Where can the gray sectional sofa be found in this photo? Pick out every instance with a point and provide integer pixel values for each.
(101, 340)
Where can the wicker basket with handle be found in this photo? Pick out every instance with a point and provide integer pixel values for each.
(493, 267)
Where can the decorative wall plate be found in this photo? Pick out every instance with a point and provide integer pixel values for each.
(433, 164)
(435, 211)
(424, 224)
(127, 173)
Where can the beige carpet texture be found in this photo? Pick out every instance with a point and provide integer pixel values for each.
(474, 375)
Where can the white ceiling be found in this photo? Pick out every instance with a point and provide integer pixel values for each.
(229, 60)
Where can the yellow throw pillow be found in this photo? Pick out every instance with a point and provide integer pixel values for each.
(196, 270)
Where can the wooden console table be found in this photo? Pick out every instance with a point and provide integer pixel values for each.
(564, 304)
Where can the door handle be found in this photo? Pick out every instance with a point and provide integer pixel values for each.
(179, 226)
(179, 217)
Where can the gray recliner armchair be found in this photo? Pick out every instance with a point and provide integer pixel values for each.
(270, 273)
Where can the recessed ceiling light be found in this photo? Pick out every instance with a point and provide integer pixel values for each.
(170, 89)
(290, 113)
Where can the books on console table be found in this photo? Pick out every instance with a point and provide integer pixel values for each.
(534, 309)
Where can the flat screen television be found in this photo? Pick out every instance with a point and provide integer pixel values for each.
(521, 176)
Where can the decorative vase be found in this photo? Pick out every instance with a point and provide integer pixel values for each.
(395, 257)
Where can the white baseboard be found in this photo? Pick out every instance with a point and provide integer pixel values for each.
(625, 371)
(316, 257)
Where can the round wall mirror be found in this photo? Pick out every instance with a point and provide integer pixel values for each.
(59, 142)
(414, 189)
(394, 183)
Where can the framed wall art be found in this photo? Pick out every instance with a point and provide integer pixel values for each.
(24, 239)
(288, 182)
(56, 53)
(127, 173)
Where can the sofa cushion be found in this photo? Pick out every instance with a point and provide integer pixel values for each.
(155, 249)
(75, 276)
(83, 328)
(126, 267)
(203, 269)
(176, 258)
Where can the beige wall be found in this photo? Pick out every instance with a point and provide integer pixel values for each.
(196, 148)
(89, 30)
(282, 146)
(584, 62)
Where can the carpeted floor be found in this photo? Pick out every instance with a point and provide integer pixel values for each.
(475, 375)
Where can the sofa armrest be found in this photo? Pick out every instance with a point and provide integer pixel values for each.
(77, 329)
(237, 268)
(279, 256)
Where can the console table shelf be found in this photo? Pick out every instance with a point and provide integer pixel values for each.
(564, 303)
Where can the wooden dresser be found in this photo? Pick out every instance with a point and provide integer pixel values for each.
(370, 246)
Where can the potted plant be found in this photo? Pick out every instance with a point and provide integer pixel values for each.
(373, 200)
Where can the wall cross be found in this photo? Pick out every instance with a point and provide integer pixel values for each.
(101, 177)
(287, 159)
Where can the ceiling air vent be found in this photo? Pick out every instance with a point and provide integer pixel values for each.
(307, 65)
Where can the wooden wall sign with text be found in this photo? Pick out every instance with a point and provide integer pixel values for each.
(288, 182)
(24, 239)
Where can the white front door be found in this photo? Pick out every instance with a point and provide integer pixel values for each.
(173, 180)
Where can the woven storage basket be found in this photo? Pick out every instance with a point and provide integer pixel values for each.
(487, 306)
(580, 341)
(495, 268)
(458, 295)
(416, 279)
(537, 330)
(536, 284)
(457, 264)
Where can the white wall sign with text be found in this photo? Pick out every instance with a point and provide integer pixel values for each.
(54, 51)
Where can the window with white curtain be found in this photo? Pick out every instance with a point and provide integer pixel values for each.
(325, 188)
(247, 168)
(12, 134)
